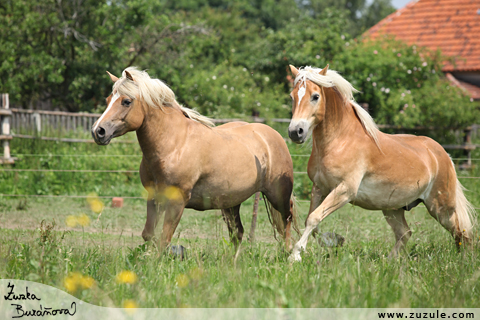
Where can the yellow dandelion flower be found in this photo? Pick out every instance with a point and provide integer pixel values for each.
(71, 221)
(127, 276)
(459, 243)
(87, 282)
(173, 193)
(91, 197)
(196, 274)
(73, 281)
(130, 306)
(70, 284)
(83, 220)
(182, 281)
(96, 206)
(148, 193)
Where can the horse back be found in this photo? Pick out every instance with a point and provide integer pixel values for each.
(264, 142)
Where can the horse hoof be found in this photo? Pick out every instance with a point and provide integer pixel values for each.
(295, 257)
(330, 239)
(179, 251)
(147, 236)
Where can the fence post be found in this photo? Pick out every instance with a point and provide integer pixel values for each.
(5, 137)
(253, 226)
(467, 140)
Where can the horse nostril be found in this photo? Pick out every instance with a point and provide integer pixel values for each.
(300, 131)
(100, 132)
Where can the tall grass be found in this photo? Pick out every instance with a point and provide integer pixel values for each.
(431, 273)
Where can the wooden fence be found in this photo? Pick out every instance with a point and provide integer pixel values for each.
(5, 136)
(50, 125)
(36, 121)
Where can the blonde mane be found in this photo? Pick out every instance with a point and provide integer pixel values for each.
(155, 93)
(334, 79)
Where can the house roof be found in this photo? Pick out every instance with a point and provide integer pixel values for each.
(453, 26)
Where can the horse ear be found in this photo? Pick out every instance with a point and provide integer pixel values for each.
(114, 79)
(128, 75)
(294, 71)
(324, 71)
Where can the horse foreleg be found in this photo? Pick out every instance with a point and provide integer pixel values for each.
(336, 199)
(173, 214)
(396, 220)
(234, 224)
(153, 216)
(316, 200)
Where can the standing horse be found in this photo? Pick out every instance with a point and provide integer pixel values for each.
(353, 162)
(189, 163)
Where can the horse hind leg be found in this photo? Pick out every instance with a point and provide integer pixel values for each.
(231, 216)
(396, 220)
(446, 215)
(449, 206)
(281, 208)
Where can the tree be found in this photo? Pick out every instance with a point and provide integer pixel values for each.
(57, 51)
(360, 14)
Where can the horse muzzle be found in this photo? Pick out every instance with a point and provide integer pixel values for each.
(298, 131)
(102, 134)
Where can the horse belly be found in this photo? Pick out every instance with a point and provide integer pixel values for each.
(224, 190)
(205, 200)
(374, 195)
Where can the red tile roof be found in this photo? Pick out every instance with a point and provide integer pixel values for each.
(470, 89)
(453, 26)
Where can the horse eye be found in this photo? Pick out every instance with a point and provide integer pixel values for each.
(126, 102)
(315, 97)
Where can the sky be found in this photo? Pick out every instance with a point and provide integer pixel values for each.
(399, 3)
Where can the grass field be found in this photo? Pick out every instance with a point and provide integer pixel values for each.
(106, 262)
(430, 273)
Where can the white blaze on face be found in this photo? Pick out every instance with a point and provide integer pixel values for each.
(114, 98)
(301, 93)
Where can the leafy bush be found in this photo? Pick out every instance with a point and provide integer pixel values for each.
(404, 86)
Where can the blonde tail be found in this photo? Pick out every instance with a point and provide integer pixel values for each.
(464, 212)
(276, 218)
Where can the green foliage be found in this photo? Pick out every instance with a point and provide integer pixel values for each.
(361, 14)
(63, 156)
(234, 91)
(59, 51)
(300, 43)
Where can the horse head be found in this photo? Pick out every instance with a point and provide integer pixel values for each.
(308, 99)
(124, 111)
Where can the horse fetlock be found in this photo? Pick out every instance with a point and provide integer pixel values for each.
(406, 236)
(393, 254)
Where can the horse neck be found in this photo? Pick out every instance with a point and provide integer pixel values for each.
(162, 131)
(339, 120)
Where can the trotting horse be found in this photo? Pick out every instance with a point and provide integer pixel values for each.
(189, 163)
(353, 162)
